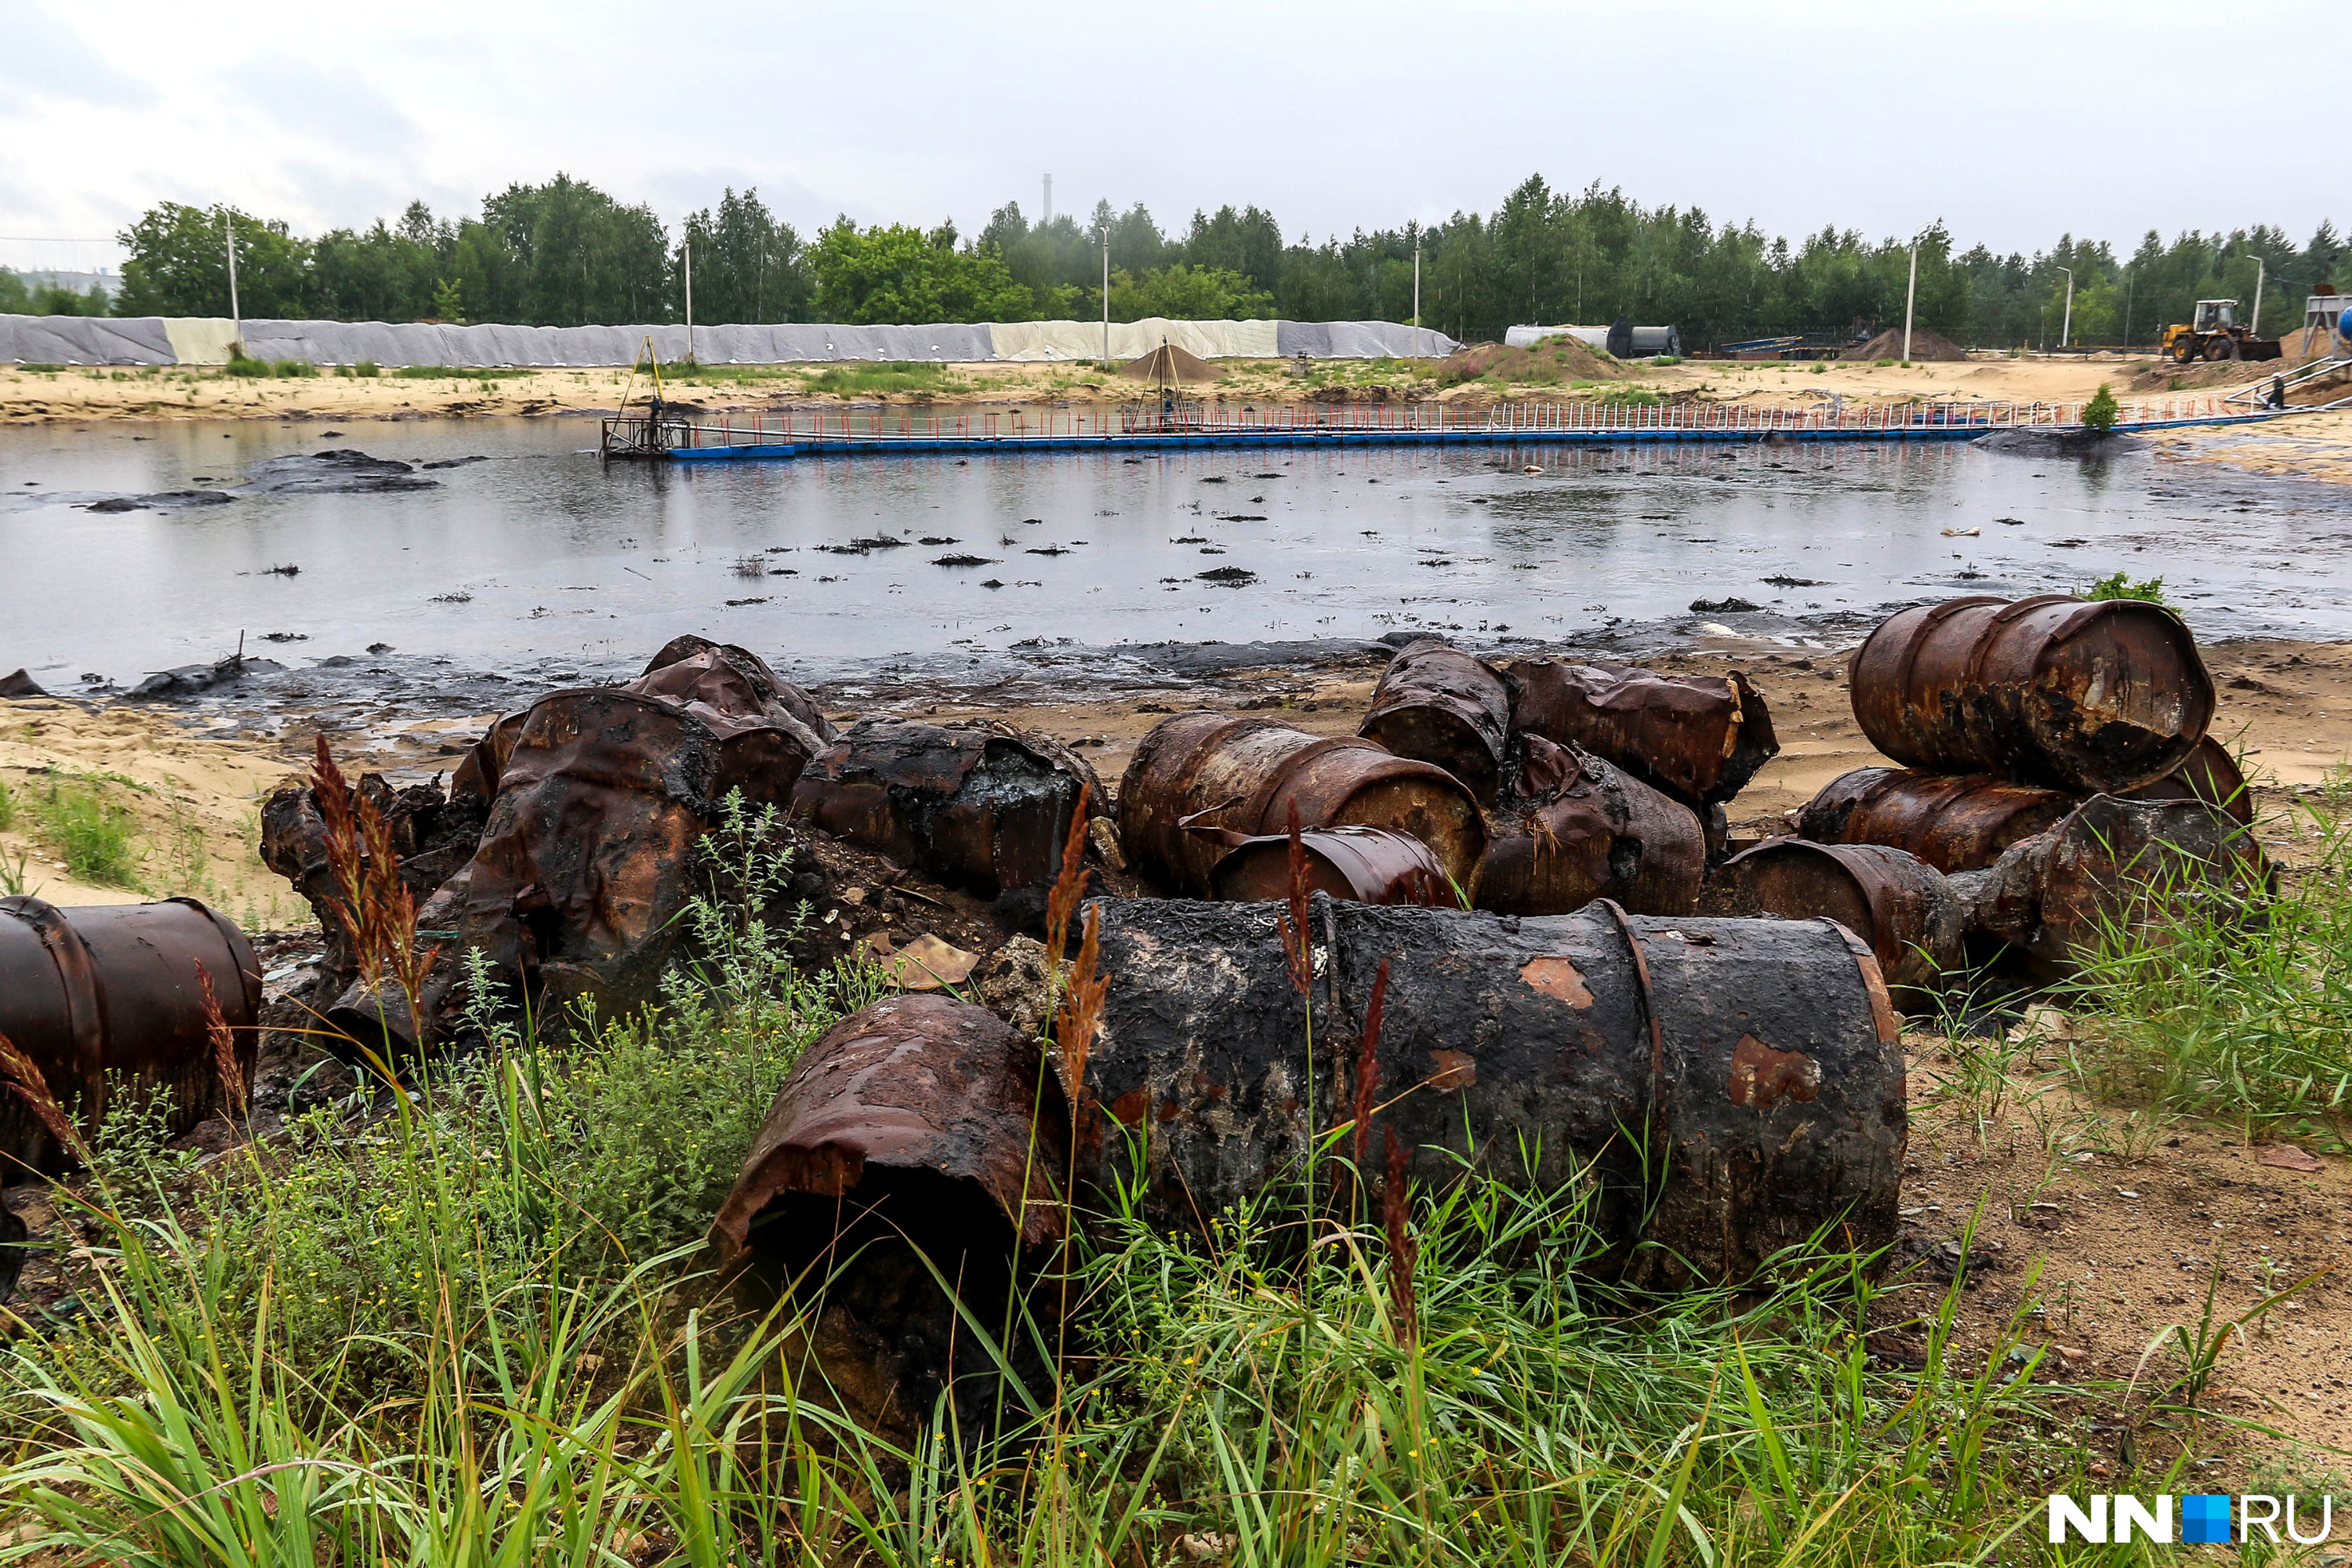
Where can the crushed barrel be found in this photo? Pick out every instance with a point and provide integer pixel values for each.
(1903, 907)
(2210, 774)
(1437, 704)
(1755, 1060)
(1249, 773)
(1569, 828)
(1368, 865)
(2048, 690)
(107, 997)
(1699, 738)
(590, 853)
(1954, 824)
(985, 808)
(919, 1133)
(2116, 867)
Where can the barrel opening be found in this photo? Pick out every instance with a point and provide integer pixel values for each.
(896, 1271)
(1447, 822)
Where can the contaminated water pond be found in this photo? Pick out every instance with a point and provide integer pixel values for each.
(505, 547)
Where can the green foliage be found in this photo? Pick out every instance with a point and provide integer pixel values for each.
(97, 836)
(1187, 293)
(2100, 415)
(36, 294)
(2119, 586)
(7, 807)
(851, 380)
(896, 273)
(178, 264)
(2202, 1004)
(748, 265)
(448, 300)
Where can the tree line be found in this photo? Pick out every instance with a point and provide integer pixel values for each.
(566, 254)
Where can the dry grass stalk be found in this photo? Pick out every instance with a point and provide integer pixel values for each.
(226, 1066)
(24, 1077)
(1297, 944)
(1402, 1248)
(375, 907)
(1367, 1065)
(1070, 886)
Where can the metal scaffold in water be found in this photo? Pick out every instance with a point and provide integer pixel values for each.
(1168, 421)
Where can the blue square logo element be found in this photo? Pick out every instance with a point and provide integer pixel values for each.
(2205, 1521)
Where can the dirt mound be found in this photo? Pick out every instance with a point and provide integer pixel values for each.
(1924, 345)
(1550, 362)
(1171, 362)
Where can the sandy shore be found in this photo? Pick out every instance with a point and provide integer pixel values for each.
(2318, 447)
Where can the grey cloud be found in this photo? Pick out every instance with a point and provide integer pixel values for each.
(47, 58)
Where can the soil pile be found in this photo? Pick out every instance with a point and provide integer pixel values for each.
(1171, 363)
(1552, 360)
(1924, 345)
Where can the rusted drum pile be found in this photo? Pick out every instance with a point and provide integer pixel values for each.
(156, 1000)
(2058, 784)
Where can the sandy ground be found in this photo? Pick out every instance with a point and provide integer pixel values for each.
(194, 807)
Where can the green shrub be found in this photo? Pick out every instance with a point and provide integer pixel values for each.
(2119, 586)
(7, 807)
(2101, 413)
(98, 837)
(241, 367)
(366, 370)
(33, 367)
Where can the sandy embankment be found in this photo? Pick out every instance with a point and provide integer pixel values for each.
(2318, 447)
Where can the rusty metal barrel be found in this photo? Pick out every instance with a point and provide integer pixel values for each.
(1570, 828)
(982, 808)
(2210, 774)
(1954, 824)
(1896, 903)
(2116, 868)
(1437, 704)
(1252, 771)
(1754, 1062)
(2048, 690)
(1699, 738)
(114, 988)
(1368, 865)
(919, 1134)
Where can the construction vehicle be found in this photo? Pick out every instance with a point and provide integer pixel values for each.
(2215, 334)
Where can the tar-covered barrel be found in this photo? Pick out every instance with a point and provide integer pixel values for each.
(1899, 904)
(2210, 774)
(1250, 772)
(2049, 691)
(1699, 738)
(114, 989)
(981, 808)
(1755, 1061)
(1567, 828)
(1368, 865)
(1954, 824)
(1437, 704)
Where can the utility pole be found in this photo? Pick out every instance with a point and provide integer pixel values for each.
(1106, 295)
(235, 318)
(1048, 217)
(690, 294)
(1416, 278)
(1910, 296)
(2066, 329)
(2255, 327)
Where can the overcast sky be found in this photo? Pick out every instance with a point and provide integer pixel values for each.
(2012, 122)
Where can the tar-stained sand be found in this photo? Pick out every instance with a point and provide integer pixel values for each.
(2122, 1213)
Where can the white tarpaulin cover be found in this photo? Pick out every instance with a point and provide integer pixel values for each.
(206, 339)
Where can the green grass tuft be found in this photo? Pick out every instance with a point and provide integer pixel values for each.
(98, 837)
